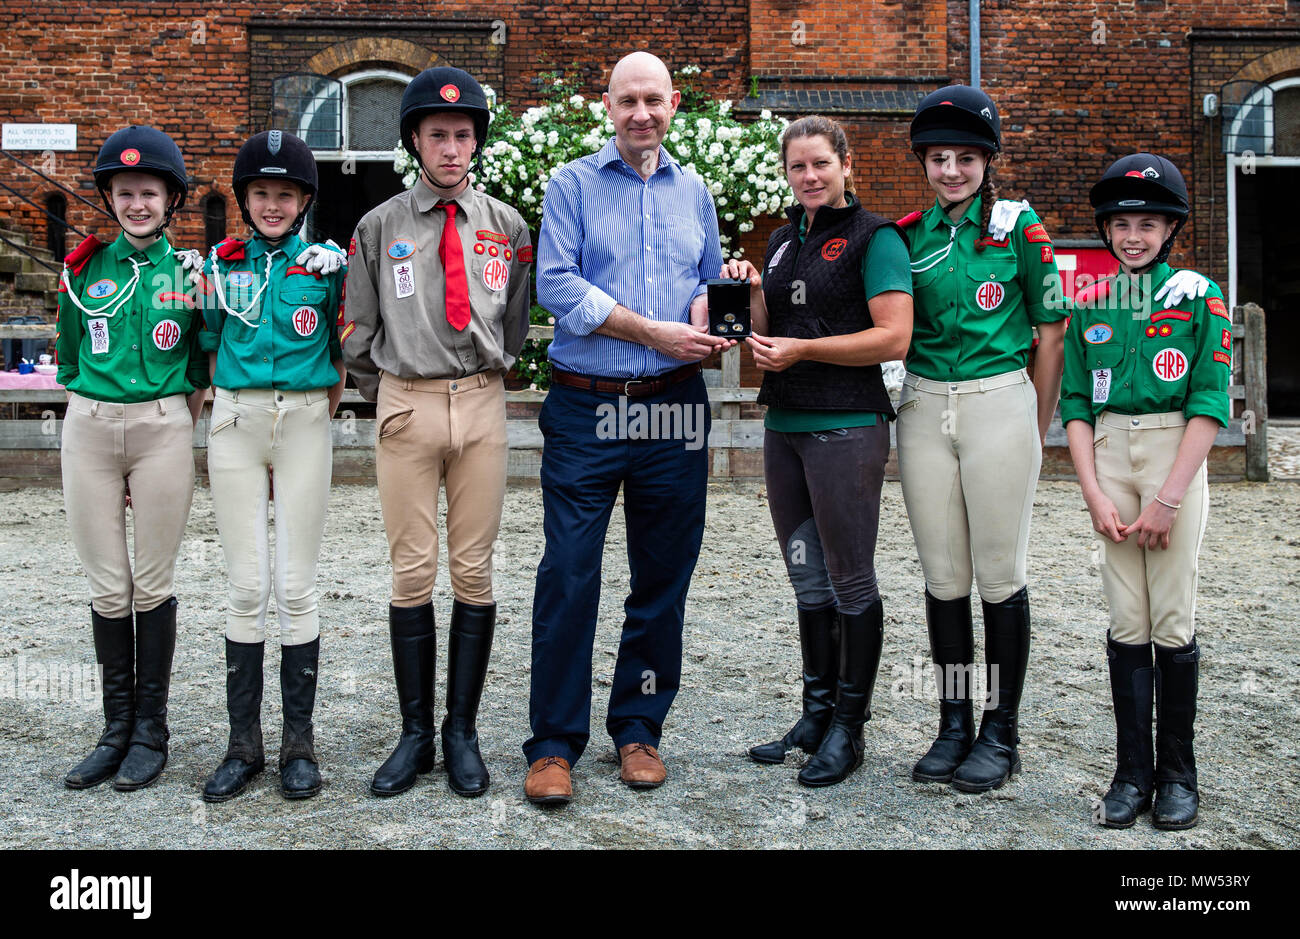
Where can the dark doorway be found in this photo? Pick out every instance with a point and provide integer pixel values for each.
(214, 220)
(56, 225)
(345, 197)
(1268, 242)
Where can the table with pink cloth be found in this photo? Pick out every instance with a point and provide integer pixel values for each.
(34, 381)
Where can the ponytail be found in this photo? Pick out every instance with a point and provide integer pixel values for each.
(988, 195)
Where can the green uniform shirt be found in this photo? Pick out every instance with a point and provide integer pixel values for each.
(1125, 353)
(975, 310)
(126, 338)
(286, 333)
(884, 267)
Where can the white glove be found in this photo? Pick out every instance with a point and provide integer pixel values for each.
(192, 264)
(1002, 220)
(322, 259)
(1184, 285)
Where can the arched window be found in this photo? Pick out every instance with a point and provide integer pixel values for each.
(1263, 119)
(214, 219)
(56, 228)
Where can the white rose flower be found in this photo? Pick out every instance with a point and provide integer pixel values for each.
(576, 100)
(746, 226)
(729, 217)
(674, 137)
(715, 188)
(537, 148)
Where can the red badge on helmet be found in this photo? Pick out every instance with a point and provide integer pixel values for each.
(834, 248)
(449, 93)
(1134, 173)
(130, 156)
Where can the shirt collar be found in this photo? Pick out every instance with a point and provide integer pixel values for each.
(257, 246)
(800, 217)
(609, 154)
(426, 198)
(122, 249)
(936, 216)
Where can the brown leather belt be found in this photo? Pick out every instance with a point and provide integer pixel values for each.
(632, 387)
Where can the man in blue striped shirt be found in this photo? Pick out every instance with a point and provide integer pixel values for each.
(628, 239)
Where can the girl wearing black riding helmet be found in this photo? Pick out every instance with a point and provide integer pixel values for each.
(971, 425)
(129, 356)
(1144, 395)
(272, 303)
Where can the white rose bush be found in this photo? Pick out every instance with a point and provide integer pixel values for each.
(739, 163)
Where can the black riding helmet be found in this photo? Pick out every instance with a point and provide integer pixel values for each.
(274, 154)
(956, 116)
(444, 89)
(1141, 183)
(143, 150)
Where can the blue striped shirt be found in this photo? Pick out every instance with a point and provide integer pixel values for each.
(608, 236)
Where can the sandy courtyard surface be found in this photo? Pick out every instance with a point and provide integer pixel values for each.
(739, 687)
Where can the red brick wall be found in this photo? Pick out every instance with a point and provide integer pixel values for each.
(886, 37)
(184, 67)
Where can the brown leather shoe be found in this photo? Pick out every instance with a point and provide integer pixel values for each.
(643, 768)
(548, 782)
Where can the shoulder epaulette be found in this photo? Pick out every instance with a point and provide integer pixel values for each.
(232, 249)
(911, 218)
(82, 253)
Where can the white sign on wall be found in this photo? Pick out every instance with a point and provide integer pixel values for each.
(39, 137)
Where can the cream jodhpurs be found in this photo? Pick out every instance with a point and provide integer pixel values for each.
(289, 432)
(1152, 594)
(429, 432)
(107, 447)
(968, 458)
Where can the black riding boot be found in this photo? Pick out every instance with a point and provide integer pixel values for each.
(819, 644)
(299, 774)
(1131, 688)
(994, 757)
(468, 648)
(862, 635)
(115, 652)
(244, 758)
(1176, 799)
(155, 642)
(412, 633)
(952, 646)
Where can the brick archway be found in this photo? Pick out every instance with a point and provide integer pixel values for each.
(370, 52)
(1280, 63)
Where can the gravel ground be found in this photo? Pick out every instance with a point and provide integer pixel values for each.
(739, 687)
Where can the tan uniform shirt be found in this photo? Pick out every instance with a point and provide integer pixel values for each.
(395, 319)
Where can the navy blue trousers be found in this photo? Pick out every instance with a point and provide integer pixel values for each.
(664, 487)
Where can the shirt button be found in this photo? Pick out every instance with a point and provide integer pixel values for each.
(1125, 384)
(649, 312)
(647, 280)
(950, 270)
(647, 247)
(1131, 351)
(135, 347)
(265, 359)
(133, 381)
(263, 322)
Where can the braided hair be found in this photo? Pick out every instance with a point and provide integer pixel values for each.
(988, 195)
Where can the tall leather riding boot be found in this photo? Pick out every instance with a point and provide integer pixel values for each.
(1131, 689)
(412, 634)
(115, 652)
(862, 636)
(155, 642)
(299, 774)
(819, 645)
(994, 756)
(1176, 799)
(952, 647)
(468, 649)
(244, 758)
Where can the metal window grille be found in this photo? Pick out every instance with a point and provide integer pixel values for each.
(310, 106)
(1247, 111)
(373, 108)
